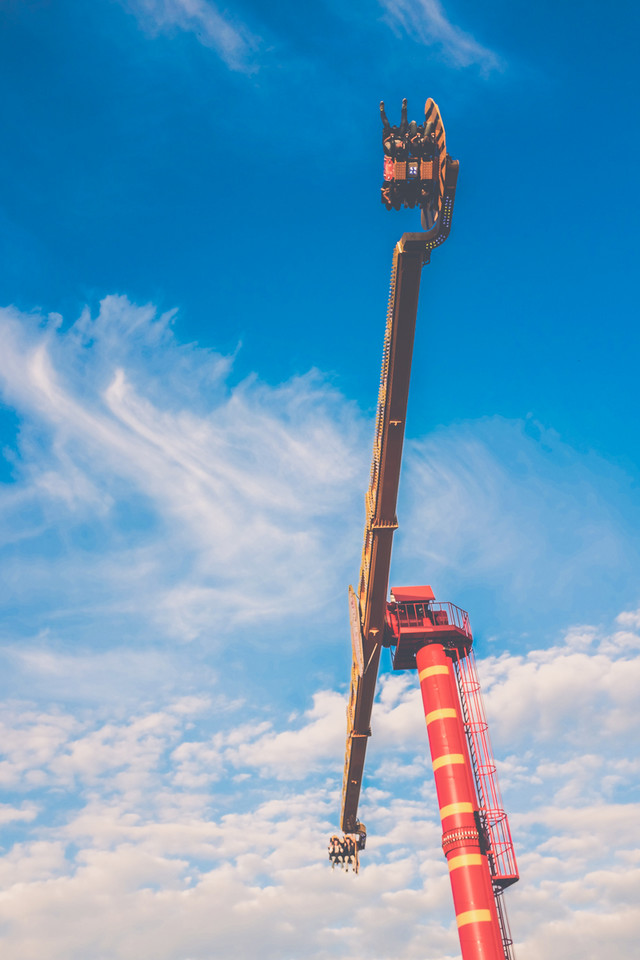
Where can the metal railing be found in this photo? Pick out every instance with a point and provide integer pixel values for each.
(432, 614)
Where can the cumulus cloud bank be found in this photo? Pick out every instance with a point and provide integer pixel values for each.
(203, 846)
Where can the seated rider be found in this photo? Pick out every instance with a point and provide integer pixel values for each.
(354, 840)
(351, 847)
(395, 143)
(334, 850)
(414, 137)
(429, 189)
(394, 139)
(428, 146)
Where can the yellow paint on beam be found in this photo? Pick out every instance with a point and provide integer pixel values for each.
(465, 860)
(473, 916)
(452, 808)
(447, 758)
(441, 714)
(432, 671)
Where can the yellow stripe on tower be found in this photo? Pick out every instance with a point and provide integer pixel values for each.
(452, 808)
(431, 671)
(473, 916)
(447, 758)
(465, 860)
(440, 714)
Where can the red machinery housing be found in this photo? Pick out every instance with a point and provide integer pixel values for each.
(415, 618)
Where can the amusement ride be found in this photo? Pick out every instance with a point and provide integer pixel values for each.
(423, 634)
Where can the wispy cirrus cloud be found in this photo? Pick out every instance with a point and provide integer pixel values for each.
(195, 502)
(227, 35)
(508, 508)
(149, 487)
(426, 22)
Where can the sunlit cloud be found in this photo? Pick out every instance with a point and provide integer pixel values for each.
(426, 22)
(191, 503)
(148, 488)
(508, 507)
(156, 827)
(227, 35)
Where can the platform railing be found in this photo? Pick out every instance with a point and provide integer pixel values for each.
(434, 613)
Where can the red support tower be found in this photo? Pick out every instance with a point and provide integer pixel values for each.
(435, 638)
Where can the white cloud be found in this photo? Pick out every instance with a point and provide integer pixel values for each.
(9, 814)
(427, 22)
(114, 676)
(30, 741)
(149, 489)
(166, 856)
(226, 34)
(205, 504)
(506, 508)
(292, 754)
(555, 695)
(630, 618)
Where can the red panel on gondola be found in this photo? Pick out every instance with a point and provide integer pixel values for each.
(412, 594)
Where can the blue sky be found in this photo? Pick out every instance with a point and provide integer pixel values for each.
(194, 268)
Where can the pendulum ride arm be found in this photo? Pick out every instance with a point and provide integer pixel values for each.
(368, 604)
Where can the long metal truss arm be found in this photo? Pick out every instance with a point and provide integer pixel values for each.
(368, 605)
